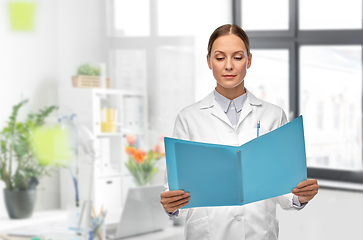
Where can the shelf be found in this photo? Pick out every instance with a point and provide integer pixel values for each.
(107, 91)
(118, 134)
(131, 107)
(101, 91)
(110, 175)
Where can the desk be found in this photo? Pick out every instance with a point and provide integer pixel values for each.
(56, 223)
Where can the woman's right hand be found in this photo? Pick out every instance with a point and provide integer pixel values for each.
(173, 200)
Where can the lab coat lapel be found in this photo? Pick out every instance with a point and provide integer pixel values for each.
(219, 113)
(247, 107)
(210, 102)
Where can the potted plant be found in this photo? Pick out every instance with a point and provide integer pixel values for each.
(88, 76)
(141, 164)
(19, 168)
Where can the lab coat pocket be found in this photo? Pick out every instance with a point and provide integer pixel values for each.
(261, 132)
(273, 227)
(198, 229)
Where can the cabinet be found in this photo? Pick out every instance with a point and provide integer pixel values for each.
(110, 176)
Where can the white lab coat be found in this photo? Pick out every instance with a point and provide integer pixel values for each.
(205, 121)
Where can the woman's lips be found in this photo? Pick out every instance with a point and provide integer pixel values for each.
(229, 76)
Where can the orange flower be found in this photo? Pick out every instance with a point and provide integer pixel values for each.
(131, 139)
(157, 148)
(140, 156)
(162, 146)
(130, 151)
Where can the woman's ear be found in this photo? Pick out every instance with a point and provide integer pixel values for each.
(208, 61)
(249, 61)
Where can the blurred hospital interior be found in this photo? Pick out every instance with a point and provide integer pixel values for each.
(118, 72)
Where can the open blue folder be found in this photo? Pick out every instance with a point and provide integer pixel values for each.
(220, 175)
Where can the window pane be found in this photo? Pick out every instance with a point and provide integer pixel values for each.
(174, 86)
(132, 18)
(129, 69)
(330, 14)
(331, 102)
(265, 15)
(172, 19)
(268, 77)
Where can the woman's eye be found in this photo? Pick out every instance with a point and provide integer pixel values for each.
(220, 59)
(238, 58)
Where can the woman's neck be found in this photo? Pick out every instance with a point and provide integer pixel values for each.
(231, 93)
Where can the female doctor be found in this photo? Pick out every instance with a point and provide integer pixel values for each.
(229, 115)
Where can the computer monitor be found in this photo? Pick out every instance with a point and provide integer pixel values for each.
(142, 213)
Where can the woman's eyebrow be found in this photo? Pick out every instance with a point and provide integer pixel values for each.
(218, 51)
(239, 51)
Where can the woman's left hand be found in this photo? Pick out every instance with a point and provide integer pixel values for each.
(306, 190)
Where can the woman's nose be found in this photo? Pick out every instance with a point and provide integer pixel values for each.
(229, 65)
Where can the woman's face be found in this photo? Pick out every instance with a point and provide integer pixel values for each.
(229, 61)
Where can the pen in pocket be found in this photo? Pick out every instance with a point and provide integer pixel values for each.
(258, 128)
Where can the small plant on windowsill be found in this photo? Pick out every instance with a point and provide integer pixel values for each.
(88, 70)
(88, 76)
(141, 164)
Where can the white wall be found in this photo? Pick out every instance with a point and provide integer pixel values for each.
(34, 64)
(79, 34)
(28, 61)
(333, 215)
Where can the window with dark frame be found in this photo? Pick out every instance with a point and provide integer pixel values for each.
(147, 53)
(324, 75)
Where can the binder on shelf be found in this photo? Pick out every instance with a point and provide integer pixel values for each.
(220, 175)
(133, 119)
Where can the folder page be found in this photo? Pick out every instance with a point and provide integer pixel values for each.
(274, 163)
(220, 175)
(211, 173)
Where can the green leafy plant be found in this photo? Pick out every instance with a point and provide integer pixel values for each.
(88, 70)
(19, 167)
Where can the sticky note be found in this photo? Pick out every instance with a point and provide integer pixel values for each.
(22, 15)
